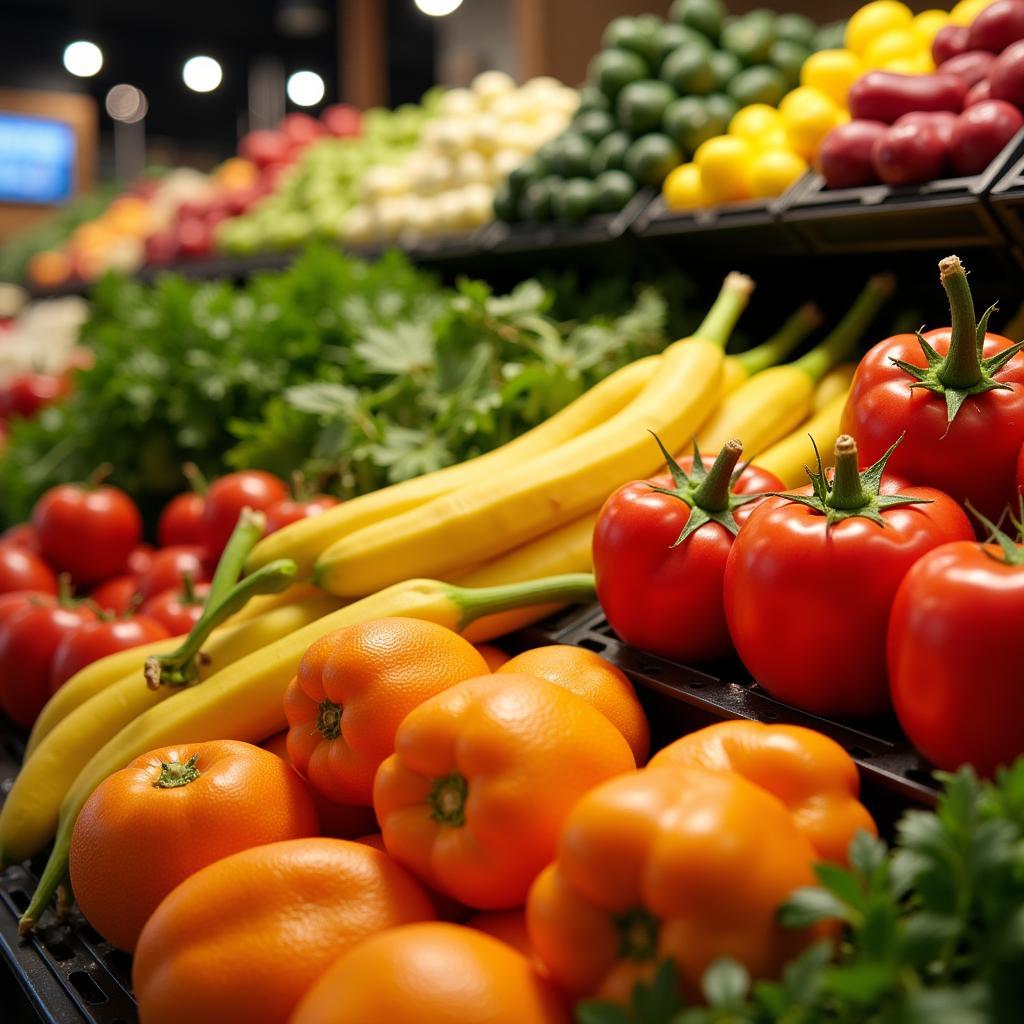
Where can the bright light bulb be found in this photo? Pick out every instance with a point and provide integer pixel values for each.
(438, 8)
(83, 58)
(202, 74)
(306, 88)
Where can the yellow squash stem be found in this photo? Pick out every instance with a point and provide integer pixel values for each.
(773, 403)
(307, 539)
(244, 701)
(771, 352)
(497, 513)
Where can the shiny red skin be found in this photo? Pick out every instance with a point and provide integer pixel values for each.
(1007, 75)
(97, 639)
(939, 121)
(954, 668)
(22, 535)
(976, 460)
(342, 120)
(998, 25)
(117, 595)
(1020, 473)
(141, 559)
(808, 605)
(887, 96)
(972, 66)
(658, 598)
(15, 600)
(169, 567)
(172, 610)
(846, 155)
(908, 154)
(87, 532)
(22, 570)
(27, 393)
(290, 511)
(978, 93)
(980, 134)
(28, 642)
(950, 41)
(226, 498)
(181, 521)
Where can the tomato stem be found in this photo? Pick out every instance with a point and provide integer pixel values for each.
(716, 489)
(726, 309)
(196, 480)
(98, 476)
(174, 774)
(188, 588)
(65, 592)
(962, 366)
(448, 799)
(847, 491)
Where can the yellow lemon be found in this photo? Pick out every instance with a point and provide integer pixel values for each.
(682, 188)
(921, 64)
(755, 121)
(809, 115)
(874, 20)
(927, 24)
(833, 72)
(724, 164)
(774, 170)
(901, 42)
(967, 10)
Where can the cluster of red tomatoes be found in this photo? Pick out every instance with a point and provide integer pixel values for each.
(78, 583)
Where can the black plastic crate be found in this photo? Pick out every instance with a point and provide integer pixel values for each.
(1006, 197)
(947, 213)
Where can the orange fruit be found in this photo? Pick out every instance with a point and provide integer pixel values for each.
(482, 778)
(340, 821)
(432, 974)
(243, 939)
(597, 681)
(170, 813)
(494, 656)
(510, 927)
(355, 686)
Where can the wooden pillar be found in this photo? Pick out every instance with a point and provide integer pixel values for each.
(363, 53)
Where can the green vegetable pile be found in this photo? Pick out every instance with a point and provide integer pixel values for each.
(359, 374)
(932, 929)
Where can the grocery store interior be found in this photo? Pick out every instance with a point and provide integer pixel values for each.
(511, 512)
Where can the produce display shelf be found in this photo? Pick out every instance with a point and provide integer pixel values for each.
(946, 213)
(66, 974)
(1007, 200)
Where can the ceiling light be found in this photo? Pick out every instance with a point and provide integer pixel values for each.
(127, 104)
(301, 19)
(438, 8)
(83, 58)
(202, 74)
(306, 88)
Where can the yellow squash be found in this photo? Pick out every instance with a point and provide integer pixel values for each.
(244, 700)
(29, 814)
(836, 382)
(499, 512)
(772, 403)
(739, 367)
(307, 539)
(788, 458)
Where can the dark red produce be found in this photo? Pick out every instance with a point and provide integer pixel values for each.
(180, 609)
(264, 147)
(141, 559)
(161, 248)
(170, 566)
(972, 66)
(99, 639)
(20, 569)
(1007, 75)
(342, 120)
(22, 535)
(117, 596)
(181, 521)
(940, 121)
(950, 41)
(228, 495)
(909, 154)
(980, 134)
(978, 93)
(846, 157)
(291, 510)
(887, 96)
(997, 26)
(26, 393)
(301, 129)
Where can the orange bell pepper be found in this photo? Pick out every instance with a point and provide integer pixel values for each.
(811, 774)
(482, 778)
(668, 863)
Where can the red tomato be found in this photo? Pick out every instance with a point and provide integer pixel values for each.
(659, 597)
(28, 642)
(118, 595)
(15, 600)
(956, 703)
(27, 393)
(229, 495)
(181, 521)
(23, 536)
(141, 559)
(97, 639)
(22, 570)
(177, 610)
(974, 457)
(169, 568)
(87, 532)
(288, 510)
(808, 601)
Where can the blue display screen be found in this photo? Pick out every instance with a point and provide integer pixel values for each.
(37, 159)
